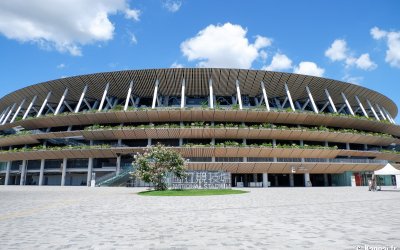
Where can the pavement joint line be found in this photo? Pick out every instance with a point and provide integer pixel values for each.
(26, 212)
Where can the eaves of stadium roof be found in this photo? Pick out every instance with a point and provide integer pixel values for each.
(197, 80)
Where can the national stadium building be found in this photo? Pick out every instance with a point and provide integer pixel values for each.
(264, 128)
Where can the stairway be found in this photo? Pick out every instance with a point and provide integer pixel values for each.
(114, 180)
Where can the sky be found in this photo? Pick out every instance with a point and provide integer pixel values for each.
(355, 41)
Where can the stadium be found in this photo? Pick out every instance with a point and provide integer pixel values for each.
(267, 129)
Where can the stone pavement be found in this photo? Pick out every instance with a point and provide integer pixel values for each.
(277, 218)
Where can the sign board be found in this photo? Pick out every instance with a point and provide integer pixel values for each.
(202, 180)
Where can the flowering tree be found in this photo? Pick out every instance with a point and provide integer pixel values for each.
(154, 164)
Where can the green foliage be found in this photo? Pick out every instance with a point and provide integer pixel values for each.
(156, 162)
(235, 106)
(192, 192)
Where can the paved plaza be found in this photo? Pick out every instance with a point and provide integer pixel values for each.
(118, 218)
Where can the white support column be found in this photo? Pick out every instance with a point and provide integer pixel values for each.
(211, 97)
(8, 114)
(388, 115)
(307, 181)
(103, 99)
(60, 103)
(381, 112)
(3, 114)
(291, 180)
(310, 97)
(23, 173)
(78, 106)
(326, 181)
(118, 170)
(373, 110)
(330, 101)
(44, 104)
(361, 106)
(265, 95)
(64, 171)
(289, 97)
(183, 97)
(128, 96)
(17, 111)
(347, 104)
(265, 180)
(213, 144)
(7, 179)
(41, 174)
(239, 96)
(89, 172)
(29, 107)
(155, 95)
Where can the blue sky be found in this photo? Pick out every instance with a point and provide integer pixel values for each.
(355, 41)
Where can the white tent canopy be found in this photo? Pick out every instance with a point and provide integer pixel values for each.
(387, 170)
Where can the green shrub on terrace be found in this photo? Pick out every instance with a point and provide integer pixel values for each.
(56, 148)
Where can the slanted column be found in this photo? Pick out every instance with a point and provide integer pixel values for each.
(381, 112)
(265, 96)
(239, 96)
(388, 115)
(6, 180)
(289, 96)
(78, 106)
(3, 114)
(373, 110)
(64, 171)
(9, 113)
(361, 106)
(312, 100)
(183, 97)
(103, 99)
(29, 107)
(41, 174)
(23, 173)
(155, 95)
(265, 180)
(347, 104)
(44, 104)
(128, 96)
(60, 103)
(211, 97)
(331, 101)
(17, 112)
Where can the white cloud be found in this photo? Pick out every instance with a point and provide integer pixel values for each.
(309, 68)
(223, 46)
(353, 79)
(172, 6)
(64, 25)
(61, 66)
(279, 62)
(393, 43)
(377, 34)
(132, 14)
(133, 38)
(337, 51)
(176, 65)
(340, 52)
(365, 63)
